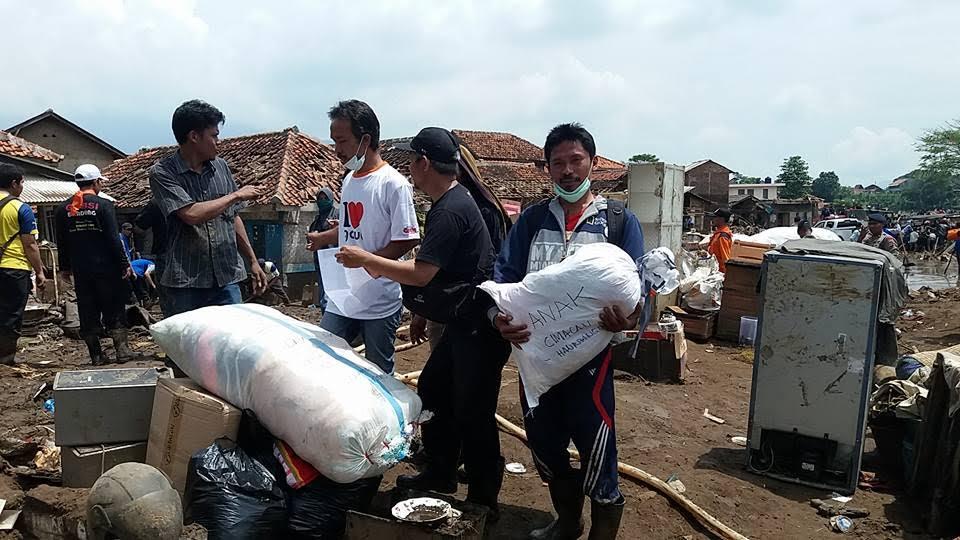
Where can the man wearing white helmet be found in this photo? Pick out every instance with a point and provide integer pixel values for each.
(91, 253)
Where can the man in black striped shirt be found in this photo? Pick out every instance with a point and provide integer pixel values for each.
(201, 202)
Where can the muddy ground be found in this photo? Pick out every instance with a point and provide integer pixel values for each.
(660, 429)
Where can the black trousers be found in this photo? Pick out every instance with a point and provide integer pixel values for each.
(101, 302)
(460, 384)
(14, 291)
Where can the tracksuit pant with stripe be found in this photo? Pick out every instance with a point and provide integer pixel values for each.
(580, 408)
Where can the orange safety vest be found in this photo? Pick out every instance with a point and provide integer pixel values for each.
(721, 246)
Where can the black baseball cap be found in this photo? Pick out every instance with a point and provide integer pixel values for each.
(724, 213)
(437, 144)
(879, 218)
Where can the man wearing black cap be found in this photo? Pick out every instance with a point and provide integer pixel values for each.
(721, 244)
(875, 236)
(461, 380)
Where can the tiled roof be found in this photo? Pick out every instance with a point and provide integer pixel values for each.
(495, 145)
(12, 145)
(607, 163)
(293, 164)
(516, 174)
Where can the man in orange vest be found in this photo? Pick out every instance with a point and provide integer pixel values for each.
(721, 243)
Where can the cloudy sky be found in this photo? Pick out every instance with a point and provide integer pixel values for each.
(848, 85)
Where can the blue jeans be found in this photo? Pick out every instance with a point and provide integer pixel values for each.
(378, 335)
(321, 295)
(174, 301)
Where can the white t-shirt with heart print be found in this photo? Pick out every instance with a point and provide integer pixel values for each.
(376, 209)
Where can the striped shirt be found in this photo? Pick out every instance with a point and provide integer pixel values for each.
(204, 255)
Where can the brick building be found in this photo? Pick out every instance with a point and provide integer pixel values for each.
(710, 180)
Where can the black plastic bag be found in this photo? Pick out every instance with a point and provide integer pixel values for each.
(319, 509)
(232, 495)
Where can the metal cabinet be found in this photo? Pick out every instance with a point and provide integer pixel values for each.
(813, 366)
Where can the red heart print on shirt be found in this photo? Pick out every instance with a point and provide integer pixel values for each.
(355, 213)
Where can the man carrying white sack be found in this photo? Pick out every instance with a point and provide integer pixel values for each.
(581, 407)
(460, 382)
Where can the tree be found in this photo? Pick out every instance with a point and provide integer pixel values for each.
(827, 186)
(796, 175)
(941, 149)
(739, 178)
(643, 158)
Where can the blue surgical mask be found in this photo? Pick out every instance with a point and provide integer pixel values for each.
(575, 195)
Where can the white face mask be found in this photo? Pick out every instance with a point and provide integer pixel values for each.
(357, 160)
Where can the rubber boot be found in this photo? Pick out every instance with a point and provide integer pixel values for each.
(485, 488)
(96, 352)
(567, 497)
(605, 520)
(119, 337)
(430, 479)
(8, 349)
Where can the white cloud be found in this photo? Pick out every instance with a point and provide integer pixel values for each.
(891, 148)
(715, 135)
(744, 83)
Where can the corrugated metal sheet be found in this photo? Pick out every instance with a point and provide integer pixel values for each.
(45, 191)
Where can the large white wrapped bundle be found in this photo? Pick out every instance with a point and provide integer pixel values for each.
(339, 412)
(561, 307)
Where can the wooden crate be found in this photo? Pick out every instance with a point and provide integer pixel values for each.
(750, 251)
(697, 325)
(740, 297)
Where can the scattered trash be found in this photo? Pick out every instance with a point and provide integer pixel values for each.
(8, 518)
(911, 315)
(11, 447)
(48, 405)
(841, 524)
(739, 440)
(515, 468)
(48, 457)
(931, 296)
(833, 508)
(43, 386)
(674, 482)
(712, 418)
(840, 498)
(423, 510)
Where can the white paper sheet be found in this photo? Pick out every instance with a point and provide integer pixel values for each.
(351, 289)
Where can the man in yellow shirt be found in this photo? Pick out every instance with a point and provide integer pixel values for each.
(721, 244)
(19, 253)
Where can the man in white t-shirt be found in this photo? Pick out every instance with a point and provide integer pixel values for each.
(377, 215)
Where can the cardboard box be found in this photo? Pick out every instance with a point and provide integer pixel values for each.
(186, 419)
(82, 465)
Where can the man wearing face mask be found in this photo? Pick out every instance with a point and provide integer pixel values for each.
(377, 215)
(327, 216)
(581, 407)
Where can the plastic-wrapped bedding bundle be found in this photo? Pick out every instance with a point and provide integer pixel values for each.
(339, 412)
(561, 307)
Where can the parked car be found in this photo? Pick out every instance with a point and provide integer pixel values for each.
(842, 227)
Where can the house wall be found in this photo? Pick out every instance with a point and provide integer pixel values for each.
(764, 192)
(696, 208)
(712, 182)
(76, 148)
(786, 214)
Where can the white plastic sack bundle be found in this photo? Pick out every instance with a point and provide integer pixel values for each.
(339, 412)
(561, 307)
